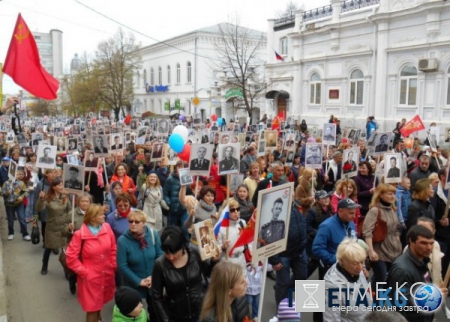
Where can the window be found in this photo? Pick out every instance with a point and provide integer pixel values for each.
(152, 77)
(356, 87)
(284, 46)
(159, 75)
(138, 79)
(408, 85)
(145, 77)
(315, 89)
(178, 74)
(189, 72)
(145, 106)
(448, 86)
(168, 75)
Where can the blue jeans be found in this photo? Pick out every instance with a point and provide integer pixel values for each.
(285, 281)
(20, 209)
(176, 220)
(380, 270)
(253, 300)
(30, 207)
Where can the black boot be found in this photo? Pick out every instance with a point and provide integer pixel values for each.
(45, 261)
(73, 284)
(44, 268)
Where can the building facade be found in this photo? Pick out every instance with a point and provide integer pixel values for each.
(176, 70)
(50, 51)
(354, 59)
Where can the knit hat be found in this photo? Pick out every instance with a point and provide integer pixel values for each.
(422, 184)
(127, 299)
(286, 313)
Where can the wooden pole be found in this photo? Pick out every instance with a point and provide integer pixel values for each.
(227, 229)
(73, 210)
(89, 178)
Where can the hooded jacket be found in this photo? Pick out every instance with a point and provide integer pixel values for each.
(403, 200)
(171, 192)
(119, 317)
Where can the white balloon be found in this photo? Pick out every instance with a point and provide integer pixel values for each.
(183, 131)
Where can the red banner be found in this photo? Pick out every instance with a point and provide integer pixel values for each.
(23, 64)
(413, 125)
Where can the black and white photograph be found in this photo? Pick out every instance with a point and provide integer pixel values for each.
(290, 158)
(21, 138)
(357, 135)
(229, 158)
(12, 169)
(225, 137)
(133, 124)
(116, 140)
(46, 156)
(199, 161)
(392, 169)
(10, 137)
(262, 148)
(163, 126)
(90, 160)
(271, 139)
(72, 144)
(73, 178)
(329, 133)
(100, 145)
(447, 135)
(157, 151)
(207, 243)
(22, 161)
(241, 139)
(350, 162)
(141, 134)
(272, 223)
(382, 143)
(433, 136)
(236, 179)
(372, 140)
(172, 157)
(185, 177)
(76, 129)
(60, 143)
(204, 136)
(313, 155)
(72, 159)
(289, 141)
(36, 138)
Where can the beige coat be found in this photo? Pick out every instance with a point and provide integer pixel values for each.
(152, 207)
(391, 246)
(57, 209)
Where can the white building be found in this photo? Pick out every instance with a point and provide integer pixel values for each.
(50, 51)
(176, 70)
(357, 58)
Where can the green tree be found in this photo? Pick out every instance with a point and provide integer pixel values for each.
(41, 107)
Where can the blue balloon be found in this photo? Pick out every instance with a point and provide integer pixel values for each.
(176, 142)
(220, 121)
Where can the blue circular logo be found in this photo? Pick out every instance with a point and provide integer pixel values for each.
(428, 298)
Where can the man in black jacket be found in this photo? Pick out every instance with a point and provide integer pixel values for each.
(277, 175)
(293, 258)
(411, 267)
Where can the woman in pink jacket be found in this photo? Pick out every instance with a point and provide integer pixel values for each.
(92, 256)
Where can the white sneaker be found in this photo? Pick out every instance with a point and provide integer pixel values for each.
(27, 238)
(10, 237)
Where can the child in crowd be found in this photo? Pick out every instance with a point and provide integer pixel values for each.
(254, 276)
(128, 306)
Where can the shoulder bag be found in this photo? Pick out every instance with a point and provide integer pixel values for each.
(380, 231)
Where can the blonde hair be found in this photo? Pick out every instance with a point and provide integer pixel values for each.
(217, 299)
(349, 250)
(139, 215)
(91, 213)
(157, 183)
(382, 188)
(346, 183)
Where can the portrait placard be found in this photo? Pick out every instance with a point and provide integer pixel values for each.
(12, 170)
(46, 155)
(271, 139)
(185, 177)
(392, 167)
(229, 157)
(199, 161)
(350, 162)
(329, 134)
(382, 143)
(207, 244)
(72, 159)
(90, 160)
(262, 148)
(313, 156)
(236, 179)
(225, 137)
(101, 145)
(73, 178)
(116, 141)
(271, 227)
(157, 151)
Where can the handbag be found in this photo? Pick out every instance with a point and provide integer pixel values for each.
(63, 259)
(380, 231)
(35, 233)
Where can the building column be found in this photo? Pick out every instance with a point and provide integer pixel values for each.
(270, 42)
(381, 98)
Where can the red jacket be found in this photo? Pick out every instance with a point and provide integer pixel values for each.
(127, 183)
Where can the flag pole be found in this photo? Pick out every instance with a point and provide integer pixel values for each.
(227, 231)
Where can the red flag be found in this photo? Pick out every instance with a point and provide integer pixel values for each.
(24, 65)
(278, 57)
(127, 119)
(414, 125)
(247, 233)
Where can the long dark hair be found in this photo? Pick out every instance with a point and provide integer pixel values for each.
(369, 167)
(51, 190)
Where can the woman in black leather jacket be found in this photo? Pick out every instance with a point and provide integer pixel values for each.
(420, 205)
(177, 287)
(225, 299)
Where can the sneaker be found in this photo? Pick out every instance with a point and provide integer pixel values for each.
(27, 238)
(10, 237)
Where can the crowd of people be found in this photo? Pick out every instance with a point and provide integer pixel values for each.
(131, 235)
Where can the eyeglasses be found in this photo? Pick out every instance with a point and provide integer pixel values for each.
(58, 159)
(235, 209)
(134, 221)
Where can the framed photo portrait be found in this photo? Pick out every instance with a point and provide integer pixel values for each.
(392, 168)
(116, 141)
(350, 162)
(72, 144)
(12, 170)
(172, 157)
(157, 151)
(290, 157)
(163, 126)
(271, 139)
(101, 145)
(225, 137)
(207, 244)
(236, 179)
(272, 224)
(313, 155)
(383, 141)
(90, 160)
(229, 157)
(329, 133)
(72, 159)
(46, 156)
(73, 178)
(36, 138)
(289, 141)
(185, 177)
(199, 161)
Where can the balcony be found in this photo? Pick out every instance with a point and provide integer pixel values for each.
(350, 5)
(317, 13)
(284, 22)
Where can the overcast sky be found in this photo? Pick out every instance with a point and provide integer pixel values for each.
(83, 28)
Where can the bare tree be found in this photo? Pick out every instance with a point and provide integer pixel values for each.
(116, 61)
(43, 107)
(289, 11)
(240, 62)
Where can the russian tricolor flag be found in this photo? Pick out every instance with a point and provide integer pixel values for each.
(224, 220)
(278, 56)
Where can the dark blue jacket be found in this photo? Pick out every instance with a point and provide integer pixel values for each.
(3, 175)
(330, 234)
(296, 237)
(403, 198)
(171, 191)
